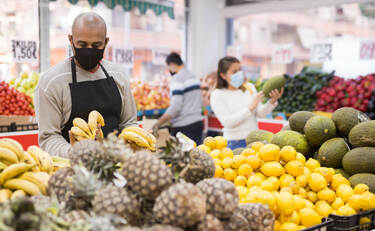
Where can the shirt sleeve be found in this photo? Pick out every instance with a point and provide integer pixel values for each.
(176, 102)
(128, 110)
(227, 118)
(49, 116)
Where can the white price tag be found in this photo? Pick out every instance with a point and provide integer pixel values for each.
(24, 51)
(159, 55)
(321, 53)
(367, 49)
(282, 53)
(124, 56)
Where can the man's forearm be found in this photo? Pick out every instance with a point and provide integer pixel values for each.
(164, 119)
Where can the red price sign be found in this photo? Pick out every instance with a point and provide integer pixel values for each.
(367, 49)
(282, 53)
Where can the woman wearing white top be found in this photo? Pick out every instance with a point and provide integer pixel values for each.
(237, 104)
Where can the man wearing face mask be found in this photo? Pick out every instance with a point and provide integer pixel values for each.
(185, 110)
(81, 84)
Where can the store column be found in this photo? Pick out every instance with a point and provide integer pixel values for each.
(44, 24)
(206, 41)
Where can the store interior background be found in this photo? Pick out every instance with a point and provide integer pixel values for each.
(203, 32)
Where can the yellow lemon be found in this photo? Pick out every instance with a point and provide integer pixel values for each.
(275, 182)
(254, 161)
(240, 181)
(288, 153)
(289, 226)
(256, 146)
(299, 203)
(337, 203)
(226, 152)
(338, 180)
(309, 217)
(346, 210)
(358, 202)
(312, 196)
(302, 192)
(254, 180)
(301, 227)
(326, 172)
(267, 185)
(285, 203)
(248, 152)
(345, 192)
(312, 164)
(371, 199)
(210, 142)
(286, 180)
(266, 198)
(301, 180)
(227, 162)
(316, 182)
(293, 218)
(204, 148)
(230, 174)
(261, 175)
(306, 171)
(255, 189)
(294, 168)
(245, 170)
(364, 220)
(238, 160)
(242, 191)
(309, 204)
(323, 208)
(287, 189)
(277, 226)
(295, 188)
(269, 152)
(220, 142)
(361, 188)
(218, 162)
(300, 157)
(216, 153)
(273, 168)
(252, 197)
(219, 171)
(327, 195)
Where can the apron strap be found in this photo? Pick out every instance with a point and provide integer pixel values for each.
(104, 70)
(74, 73)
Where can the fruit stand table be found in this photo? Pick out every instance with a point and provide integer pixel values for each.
(26, 138)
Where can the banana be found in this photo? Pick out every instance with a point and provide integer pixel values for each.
(80, 123)
(58, 165)
(77, 132)
(137, 139)
(25, 185)
(95, 118)
(8, 155)
(18, 194)
(40, 179)
(14, 146)
(13, 170)
(29, 159)
(44, 162)
(3, 166)
(5, 195)
(142, 132)
(60, 159)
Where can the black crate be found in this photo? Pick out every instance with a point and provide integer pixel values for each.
(352, 223)
(13, 127)
(326, 225)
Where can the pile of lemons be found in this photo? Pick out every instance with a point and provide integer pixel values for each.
(299, 192)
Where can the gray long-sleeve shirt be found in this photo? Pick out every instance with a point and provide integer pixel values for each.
(186, 99)
(53, 102)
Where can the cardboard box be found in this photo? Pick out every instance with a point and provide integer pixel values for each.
(18, 120)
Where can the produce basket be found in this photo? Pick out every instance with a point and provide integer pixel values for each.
(13, 127)
(352, 223)
(326, 225)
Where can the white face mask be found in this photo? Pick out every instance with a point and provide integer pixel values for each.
(237, 79)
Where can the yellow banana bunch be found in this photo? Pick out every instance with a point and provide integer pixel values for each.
(13, 170)
(95, 118)
(40, 179)
(8, 156)
(5, 195)
(18, 194)
(140, 137)
(14, 146)
(21, 184)
(42, 158)
(83, 130)
(2, 166)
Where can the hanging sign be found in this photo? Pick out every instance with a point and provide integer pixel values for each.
(321, 53)
(159, 55)
(24, 51)
(367, 49)
(123, 56)
(282, 53)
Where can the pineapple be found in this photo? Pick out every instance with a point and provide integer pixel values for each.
(222, 197)
(193, 166)
(118, 201)
(259, 216)
(237, 222)
(162, 228)
(210, 223)
(128, 228)
(182, 205)
(146, 174)
(59, 184)
(75, 216)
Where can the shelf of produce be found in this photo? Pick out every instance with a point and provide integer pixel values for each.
(26, 138)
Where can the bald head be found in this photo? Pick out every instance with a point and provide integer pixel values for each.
(89, 20)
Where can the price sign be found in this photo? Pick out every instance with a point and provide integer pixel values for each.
(321, 53)
(367, 49)
(24, 51)
(124, 56)
(282, 53)
(159, 56)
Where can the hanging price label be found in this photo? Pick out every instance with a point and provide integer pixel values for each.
(367, 49)
(159, 56)
(24, 51)
(124, 56)
(321, 53)
(282, 53)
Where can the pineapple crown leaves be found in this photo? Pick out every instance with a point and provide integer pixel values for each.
(85, 184)
(174, 156)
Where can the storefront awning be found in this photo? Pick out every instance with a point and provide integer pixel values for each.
(158, 6)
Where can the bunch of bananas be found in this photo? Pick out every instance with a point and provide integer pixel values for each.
(139, 137)
(83, 130)
(25, 172)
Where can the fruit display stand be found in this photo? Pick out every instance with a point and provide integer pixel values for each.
(357, 222)
(21, 128)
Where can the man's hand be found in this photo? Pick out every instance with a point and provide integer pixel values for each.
(72, 139)
(99, 133)
(276, 95)
(155, 129)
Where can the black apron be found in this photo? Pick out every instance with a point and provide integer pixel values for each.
(101, 95)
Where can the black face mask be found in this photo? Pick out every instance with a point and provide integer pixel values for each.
(172, 73)
(88, 58)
